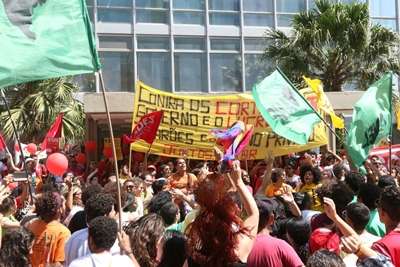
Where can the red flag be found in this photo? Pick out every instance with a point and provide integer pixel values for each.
(3, 145)
(54, 132)
(146, 128)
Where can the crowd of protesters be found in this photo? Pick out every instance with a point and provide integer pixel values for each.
(300, 210)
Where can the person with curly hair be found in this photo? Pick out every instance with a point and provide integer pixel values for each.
(102, 236)
(50, 234)
(310, 177)
(145, 237)
(16, 247)
(218, 236)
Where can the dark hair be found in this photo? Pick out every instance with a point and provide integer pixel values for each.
(358, 214)
(16, 245)
(174, 250)
(112, 189)
(6, 205)
(47, 206)
(159, 200)
(325, 258)
(339, 192)
(390, 202)
(90, 191)
(303, 200)
(299, 231)
(144, 235)
(369, 195)
(103, 232)
(168, 213)
(265, 208)
(98, 205)
(386, 180)
(276, 173)
(315, 172)
(338, 169)
(354, 180)
(158, 185)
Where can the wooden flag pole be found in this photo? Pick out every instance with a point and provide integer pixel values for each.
(147, 156)
(114, 150)
(130, 159)
(19, 144)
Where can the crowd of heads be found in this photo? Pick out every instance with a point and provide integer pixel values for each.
(305, 209)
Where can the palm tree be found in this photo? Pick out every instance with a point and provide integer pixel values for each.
(336, 43)
(35, 105)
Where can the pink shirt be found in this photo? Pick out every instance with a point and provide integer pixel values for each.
(271, 251)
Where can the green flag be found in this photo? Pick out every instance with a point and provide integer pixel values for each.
(285, 110)
(41, 39)
(371, 120)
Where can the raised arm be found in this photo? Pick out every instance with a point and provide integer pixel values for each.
(267, 177)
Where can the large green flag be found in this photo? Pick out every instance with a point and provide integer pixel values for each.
(371, 120)
(41, 39)
(285, 110)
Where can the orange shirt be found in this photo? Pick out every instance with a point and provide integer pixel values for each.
(186, 181)
(272, 190)
(48, 246)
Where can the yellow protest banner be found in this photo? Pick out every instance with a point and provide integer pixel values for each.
(118, 149)
(188, 120)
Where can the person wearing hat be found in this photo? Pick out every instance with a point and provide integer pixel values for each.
(268, 250)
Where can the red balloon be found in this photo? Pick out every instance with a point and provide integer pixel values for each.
(108, 152)
(57, 164)
(80, 158)
(138, 156)
(31, 148)
(90, 146)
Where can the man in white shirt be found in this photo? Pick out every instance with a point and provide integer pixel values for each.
(77, 246)
(102, 235)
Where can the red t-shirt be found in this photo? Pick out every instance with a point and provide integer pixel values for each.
(389, 245)
(271, 251)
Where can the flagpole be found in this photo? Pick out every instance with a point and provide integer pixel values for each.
(113, 148)
(19, 144)
(147, 155)
(316, 112)
(130, 159)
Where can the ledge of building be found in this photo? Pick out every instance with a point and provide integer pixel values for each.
(344, 101)
(118, 102)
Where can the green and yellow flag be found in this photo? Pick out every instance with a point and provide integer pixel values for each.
(41, 39)
(372, 120)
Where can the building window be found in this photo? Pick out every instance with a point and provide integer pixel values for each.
(386, 8)
(387, 23)
(286, 10)
(154, 62)
(189, 11)
(226, 65)
(224, 12)
(114, 11)
(258, 13)
(90, 4)
(117, 69)
(152, 11)
(115, 42)
(190, 61)
(256, 67)
(85, 82)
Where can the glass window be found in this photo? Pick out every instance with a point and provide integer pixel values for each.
(85, 82)
(188, 17)
(119, 42)
(144, 42)
(284, 20)
(387, 23)
(290, 6)
(224, 18)
(225, 44)
(352, 1)
(89, 2)
(155, 69)
(114, 3)
(255, 44)
(91, 14)
(261, 20)
(193, 65)
(152, 16)
(185, 43)
(257, 5)
(189, 4)
(152, 3)
(386, 8)
(226, 72)
(114, 15)
(233, 5)
(256, 69)
(118, 71)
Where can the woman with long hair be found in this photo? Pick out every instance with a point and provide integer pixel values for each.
(218, 236)
(16, 247)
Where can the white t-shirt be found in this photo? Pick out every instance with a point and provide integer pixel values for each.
(77, 246)
(105, 259)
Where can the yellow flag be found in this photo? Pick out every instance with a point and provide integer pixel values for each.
(323, 101)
